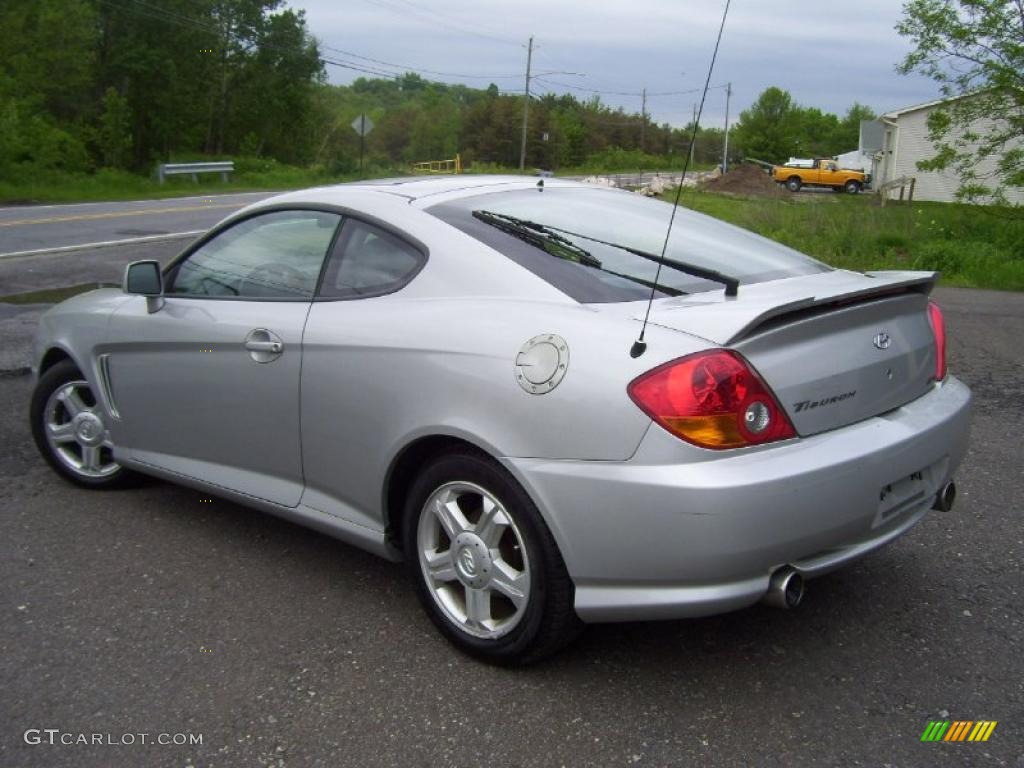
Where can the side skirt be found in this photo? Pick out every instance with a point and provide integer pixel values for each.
(371, 540)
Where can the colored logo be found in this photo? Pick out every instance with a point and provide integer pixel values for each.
(958, 730)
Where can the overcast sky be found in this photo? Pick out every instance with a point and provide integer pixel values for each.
(828, 54)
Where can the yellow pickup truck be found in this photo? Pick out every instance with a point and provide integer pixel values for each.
(824, 172)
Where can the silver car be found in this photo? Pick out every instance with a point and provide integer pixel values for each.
(448, 371)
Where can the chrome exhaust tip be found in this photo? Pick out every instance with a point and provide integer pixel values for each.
(785, 588)
(945, 498)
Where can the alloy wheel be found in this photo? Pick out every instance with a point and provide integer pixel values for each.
(473, 559)
(76, 432)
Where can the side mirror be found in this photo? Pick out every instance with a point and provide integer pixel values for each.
(143, 278)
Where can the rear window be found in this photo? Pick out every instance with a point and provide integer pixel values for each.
(626, 219)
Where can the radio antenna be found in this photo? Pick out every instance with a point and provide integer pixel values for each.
(640, 346)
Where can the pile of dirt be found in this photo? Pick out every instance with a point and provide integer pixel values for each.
(745, 180)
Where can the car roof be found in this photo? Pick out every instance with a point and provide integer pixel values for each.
(414, 188)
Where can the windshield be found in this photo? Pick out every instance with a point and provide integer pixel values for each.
(623, 221)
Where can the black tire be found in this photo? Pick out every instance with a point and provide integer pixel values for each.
(852, 187)
(548, 622)
(54, 379)
(793, 184)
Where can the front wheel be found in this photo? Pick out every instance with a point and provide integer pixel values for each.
(71, 432)
(485, 565)
(852, 187)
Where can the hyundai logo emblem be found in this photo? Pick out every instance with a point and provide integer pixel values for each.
(468, 562)
(882, 340)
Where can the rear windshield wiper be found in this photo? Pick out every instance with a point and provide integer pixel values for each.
(506, 223)
(548, 240)
(539, 235)
(731, 284)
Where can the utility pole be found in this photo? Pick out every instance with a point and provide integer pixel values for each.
(643, 117)
(526, 106)
(725, 148)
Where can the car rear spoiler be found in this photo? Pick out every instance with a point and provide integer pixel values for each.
(726, 320)
(889, 284)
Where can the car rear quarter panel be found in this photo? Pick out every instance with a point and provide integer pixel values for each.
(380, 373)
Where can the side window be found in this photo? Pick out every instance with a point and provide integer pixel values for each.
(367, 261)
(275, 255)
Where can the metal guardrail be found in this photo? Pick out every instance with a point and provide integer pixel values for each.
(192, 169)
(439, 166)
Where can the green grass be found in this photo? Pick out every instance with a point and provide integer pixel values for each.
(980, 247)
(50, 295)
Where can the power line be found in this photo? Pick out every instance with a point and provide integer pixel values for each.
(585, 89)
(446, 24)
(638, 94)
(160, 14)
(449, 19)
(368, 65)
(408, 68)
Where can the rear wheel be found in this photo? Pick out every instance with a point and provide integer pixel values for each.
(793, 184)
(485, 565)
(852, 187)
(71, 432)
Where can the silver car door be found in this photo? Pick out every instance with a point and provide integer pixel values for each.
(208, 386)
(348, 356)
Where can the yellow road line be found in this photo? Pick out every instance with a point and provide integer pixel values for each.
(116, 214)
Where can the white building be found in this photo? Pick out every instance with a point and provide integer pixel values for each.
(905, 142)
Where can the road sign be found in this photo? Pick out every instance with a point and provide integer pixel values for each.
(362, 125)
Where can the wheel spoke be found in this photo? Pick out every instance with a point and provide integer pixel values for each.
(91, 457)
(450, 517)
(61, 433)
(509, 582)
(491, 524)
(440, 566)
(72, 401)
(478, 606)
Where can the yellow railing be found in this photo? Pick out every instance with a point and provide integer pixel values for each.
(439, 166)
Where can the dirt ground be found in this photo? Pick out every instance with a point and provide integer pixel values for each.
(745, 180)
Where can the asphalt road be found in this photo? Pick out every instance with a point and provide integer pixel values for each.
(157, 610)
(47, 227)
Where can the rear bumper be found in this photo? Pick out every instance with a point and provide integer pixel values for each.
(654, 537)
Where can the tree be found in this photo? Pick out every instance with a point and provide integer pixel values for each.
(847, 135)
(768, 130)
(816, 132)
(47, 62)
(115, 130)
(974, 49)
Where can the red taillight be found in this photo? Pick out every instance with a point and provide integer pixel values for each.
(712, 399)
(939, 331)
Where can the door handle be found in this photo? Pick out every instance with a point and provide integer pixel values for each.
(263, 346)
